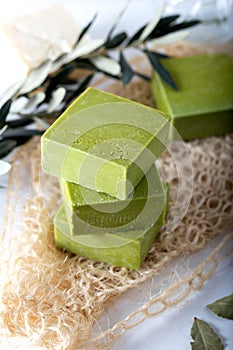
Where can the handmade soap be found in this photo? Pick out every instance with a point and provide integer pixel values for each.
(128, 249)
(89, 211)
(203, 104)
(104, 142)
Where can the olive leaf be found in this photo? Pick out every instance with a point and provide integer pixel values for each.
(80, 88)
(4, 167)
(34, 101)
(117, 40)
(151, 26)
(223, 307)
(164, 23)
(57, 79)
(16, 123)
(136, 36)
(160, 69)
(92, 54)
(4, 110)
(183, 25)
(16, 134)
(36, 77)
(106, 64)
(83, 50)
(127, 72)
(11, 92)
(56, 99)
(170, 38)
(117, 19)
(85, 29)
(204, 337)
(6, 146)
(168, 25)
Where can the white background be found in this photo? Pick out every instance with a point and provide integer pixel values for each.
(170, 330)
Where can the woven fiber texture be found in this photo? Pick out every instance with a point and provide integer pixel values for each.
(50, 299)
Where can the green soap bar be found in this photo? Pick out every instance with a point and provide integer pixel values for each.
(104, 142)
(203, 104)
(128, 249)
(89, 211)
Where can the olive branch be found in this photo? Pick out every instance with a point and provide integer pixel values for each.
(49, 88)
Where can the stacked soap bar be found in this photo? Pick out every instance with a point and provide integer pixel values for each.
(89, 211)
(203, 104)
(103, 149)
(117, 247)
(104, 142)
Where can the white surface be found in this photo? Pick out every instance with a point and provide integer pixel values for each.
(170, 330)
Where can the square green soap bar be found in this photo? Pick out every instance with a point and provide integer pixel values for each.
(89, 211)
(128, 249)
(104, 142)
(203, 104)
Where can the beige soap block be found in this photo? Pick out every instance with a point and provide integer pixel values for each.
(45, 34)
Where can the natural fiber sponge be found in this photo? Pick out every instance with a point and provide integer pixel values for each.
(104, 142)
(203, 104)
(89, 211)
(128, 249)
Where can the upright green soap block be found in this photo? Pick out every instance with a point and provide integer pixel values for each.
(104, 142)
(203, 104)
(89, 211)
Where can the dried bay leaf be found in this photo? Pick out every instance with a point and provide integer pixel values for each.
(223, 307)
(204, 337)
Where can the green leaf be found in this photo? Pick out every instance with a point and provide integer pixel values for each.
(160, 69)
(11, 92)
(175, 27)
(17, 123)
(184, 25)
(4, 110)
(127, 72)
(20, 133)
(116, 40)
(162, 25)
(106, 65)
(166, 21)
(58, 78)
(204, 337)
(84, 49)
(80, 89)
(4, 167)
(85, 29)
(6, 146)
(223, 307)
(117, 19)
(36, 77)
(151, 25)
(34, 101)
(136, 36)
(56, 99)
(170, 38)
